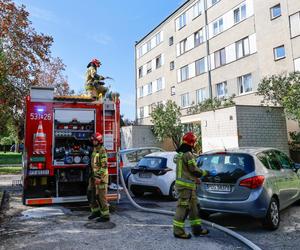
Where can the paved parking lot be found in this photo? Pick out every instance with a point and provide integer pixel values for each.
(134, 229)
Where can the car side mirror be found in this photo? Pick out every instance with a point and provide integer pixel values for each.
(296, 167)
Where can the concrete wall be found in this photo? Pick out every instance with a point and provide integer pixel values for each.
(244, 126)
(219, 129)
(262, 127)
(141, 136)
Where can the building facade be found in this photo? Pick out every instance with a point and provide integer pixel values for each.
(216, 48)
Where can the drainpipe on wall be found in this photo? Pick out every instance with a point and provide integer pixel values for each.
(207, 50)
(135, 79)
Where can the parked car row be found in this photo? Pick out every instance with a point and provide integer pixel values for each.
(259, 182)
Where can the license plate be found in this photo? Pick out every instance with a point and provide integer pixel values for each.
(145, 175)
(38, 172)
(218, 188)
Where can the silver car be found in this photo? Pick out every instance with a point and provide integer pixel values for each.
(255, 181)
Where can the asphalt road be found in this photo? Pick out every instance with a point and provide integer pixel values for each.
(71, 230)
(134, 229)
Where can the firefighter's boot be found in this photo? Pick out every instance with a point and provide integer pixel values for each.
(103, 219)
(198, 231)
(184, 235)
(94, 215)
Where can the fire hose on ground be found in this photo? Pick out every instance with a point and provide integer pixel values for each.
(235, 235)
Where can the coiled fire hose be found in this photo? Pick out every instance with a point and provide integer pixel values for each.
(235, 235)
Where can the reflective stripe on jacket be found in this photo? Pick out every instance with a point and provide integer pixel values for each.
(187, 171)
(99, 164)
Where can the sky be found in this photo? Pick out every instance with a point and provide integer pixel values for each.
(103, 29)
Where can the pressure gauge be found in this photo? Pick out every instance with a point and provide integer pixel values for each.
(77, 159)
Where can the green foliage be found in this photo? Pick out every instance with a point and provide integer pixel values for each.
(166, 122)
(10, 158)
(211, 104)
(10, 170)
(294, 143)
(282, 90)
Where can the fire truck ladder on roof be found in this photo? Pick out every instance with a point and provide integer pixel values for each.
(110, 134)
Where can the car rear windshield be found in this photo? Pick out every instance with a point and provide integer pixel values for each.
(234, 164)
(153, 162)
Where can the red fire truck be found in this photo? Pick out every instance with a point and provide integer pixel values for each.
(57, 150)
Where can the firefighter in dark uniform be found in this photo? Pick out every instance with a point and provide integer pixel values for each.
(187, 176)
(98, 181)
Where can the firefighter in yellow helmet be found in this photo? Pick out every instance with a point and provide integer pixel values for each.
(98, 181)
(187, 176)
(94, 82)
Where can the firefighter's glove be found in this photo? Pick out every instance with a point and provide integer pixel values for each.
(98, 181)
(205, 173)
(198, 181)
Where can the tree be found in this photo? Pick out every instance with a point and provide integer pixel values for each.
(166, 122)
(25, 61)
(282, 90)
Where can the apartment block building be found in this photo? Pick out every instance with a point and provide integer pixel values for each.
(215, 48)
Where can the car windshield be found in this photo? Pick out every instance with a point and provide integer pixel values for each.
(229, 166)
(135, 155)
(153, 162)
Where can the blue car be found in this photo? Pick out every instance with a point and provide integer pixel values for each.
(259, 182)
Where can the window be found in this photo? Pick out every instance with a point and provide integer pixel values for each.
(141, 93)
(200, 66)
(198, 37)
(222, 89)
(295, 24)
(158, 38)
(182, 20)
(213, 2)
(218, 26)
(245, 83)
(297, 64)
(149, 88)
(141, 112)
(220, 58)
(149, 45)
(185, 100)
(263, 159)
(140, 52)
(273, 161)
(173, 91)
(239, 14)
(242, 48)
(140, 72)
(279, 52)
(183, 46)
(200, 95)
(159, 84)
(149, 67)
(172, 65)
(275, 11)
(284, 160)
(152, 107)
(171, 41)
(197, 9)
(158, 61)
(184, 73)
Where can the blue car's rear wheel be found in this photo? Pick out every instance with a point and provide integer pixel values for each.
(272, 219)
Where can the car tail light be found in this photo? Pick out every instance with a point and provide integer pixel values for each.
(253, 182)
(162, 172)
